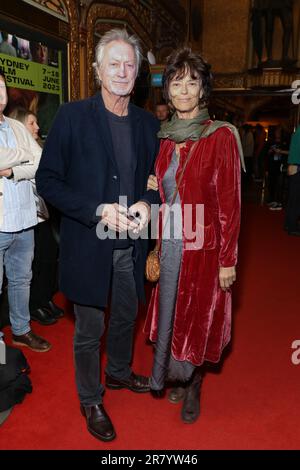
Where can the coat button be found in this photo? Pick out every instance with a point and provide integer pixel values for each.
(115, 177)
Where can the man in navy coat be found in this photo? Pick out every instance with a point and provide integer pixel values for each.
(97, 150)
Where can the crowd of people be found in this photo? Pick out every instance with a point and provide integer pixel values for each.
(105, 164)
(272, 160)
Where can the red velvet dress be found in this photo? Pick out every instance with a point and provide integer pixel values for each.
(202, 319)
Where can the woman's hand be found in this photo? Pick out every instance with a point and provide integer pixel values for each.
(227, 276)
(152, 183)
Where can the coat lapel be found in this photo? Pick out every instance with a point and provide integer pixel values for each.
(102, 126)
(136, 133)
(135, 129)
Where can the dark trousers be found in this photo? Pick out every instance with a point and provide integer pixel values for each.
(249, 168)
(293, 205)
(89, 329)
(275, 182)
(44, 266)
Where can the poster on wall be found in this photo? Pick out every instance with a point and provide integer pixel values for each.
(33, 74)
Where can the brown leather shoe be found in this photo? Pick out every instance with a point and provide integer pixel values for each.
(98, 422)
(32, 341)
(176, 394)
(135, 383)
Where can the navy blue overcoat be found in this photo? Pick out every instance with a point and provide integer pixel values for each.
(77, 173)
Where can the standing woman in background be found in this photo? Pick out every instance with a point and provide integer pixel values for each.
(44, 266)
(189, 316)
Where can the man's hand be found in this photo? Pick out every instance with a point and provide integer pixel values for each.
(115, 217)
(7, 172)
(140, 210)
(227, 276)
(152, 183)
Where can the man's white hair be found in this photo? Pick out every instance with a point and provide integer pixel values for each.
(117, 35)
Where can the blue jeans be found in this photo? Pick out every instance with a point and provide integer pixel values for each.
(16, 254)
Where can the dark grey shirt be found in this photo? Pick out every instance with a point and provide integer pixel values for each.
(121, 132)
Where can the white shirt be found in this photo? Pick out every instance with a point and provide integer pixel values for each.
(18, 200)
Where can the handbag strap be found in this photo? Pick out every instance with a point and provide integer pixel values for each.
(158, 243)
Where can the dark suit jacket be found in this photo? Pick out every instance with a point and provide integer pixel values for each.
(78, 172)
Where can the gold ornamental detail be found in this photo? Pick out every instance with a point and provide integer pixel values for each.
(272, 78)
(268, 78)
(73, 51)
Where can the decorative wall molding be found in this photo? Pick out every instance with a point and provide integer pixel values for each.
(55, 8)
(235, 81)
(278, 77)
(267, 78)
(73, 51)
(168, 31)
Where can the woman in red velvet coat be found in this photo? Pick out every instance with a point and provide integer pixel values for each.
(189, 316)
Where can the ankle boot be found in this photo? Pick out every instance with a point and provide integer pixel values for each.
(191, 403)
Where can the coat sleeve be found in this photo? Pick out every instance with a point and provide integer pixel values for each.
(27, 170)
(11, 157)
(51, 177)
(151, 197)
(228, 186)
(294, 152)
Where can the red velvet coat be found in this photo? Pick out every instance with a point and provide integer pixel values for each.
(202, 322)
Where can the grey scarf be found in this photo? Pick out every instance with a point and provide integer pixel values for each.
(180, 130)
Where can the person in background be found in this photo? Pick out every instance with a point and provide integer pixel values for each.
(189, 315)
(5, 47)
(162, 112)
(20, 156)
(15, 44)
(259, 152)
(247, 140)
(98, 150)
(276, 167)
(44, 266)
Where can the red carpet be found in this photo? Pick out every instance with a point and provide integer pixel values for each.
(252, 404)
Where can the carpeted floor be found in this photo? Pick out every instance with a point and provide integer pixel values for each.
(251, 401)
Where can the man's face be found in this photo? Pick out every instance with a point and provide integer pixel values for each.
(118, 69)
(162, 112)
(3, 95)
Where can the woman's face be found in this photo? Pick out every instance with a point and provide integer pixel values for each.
(32, 125)
(185, 93)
